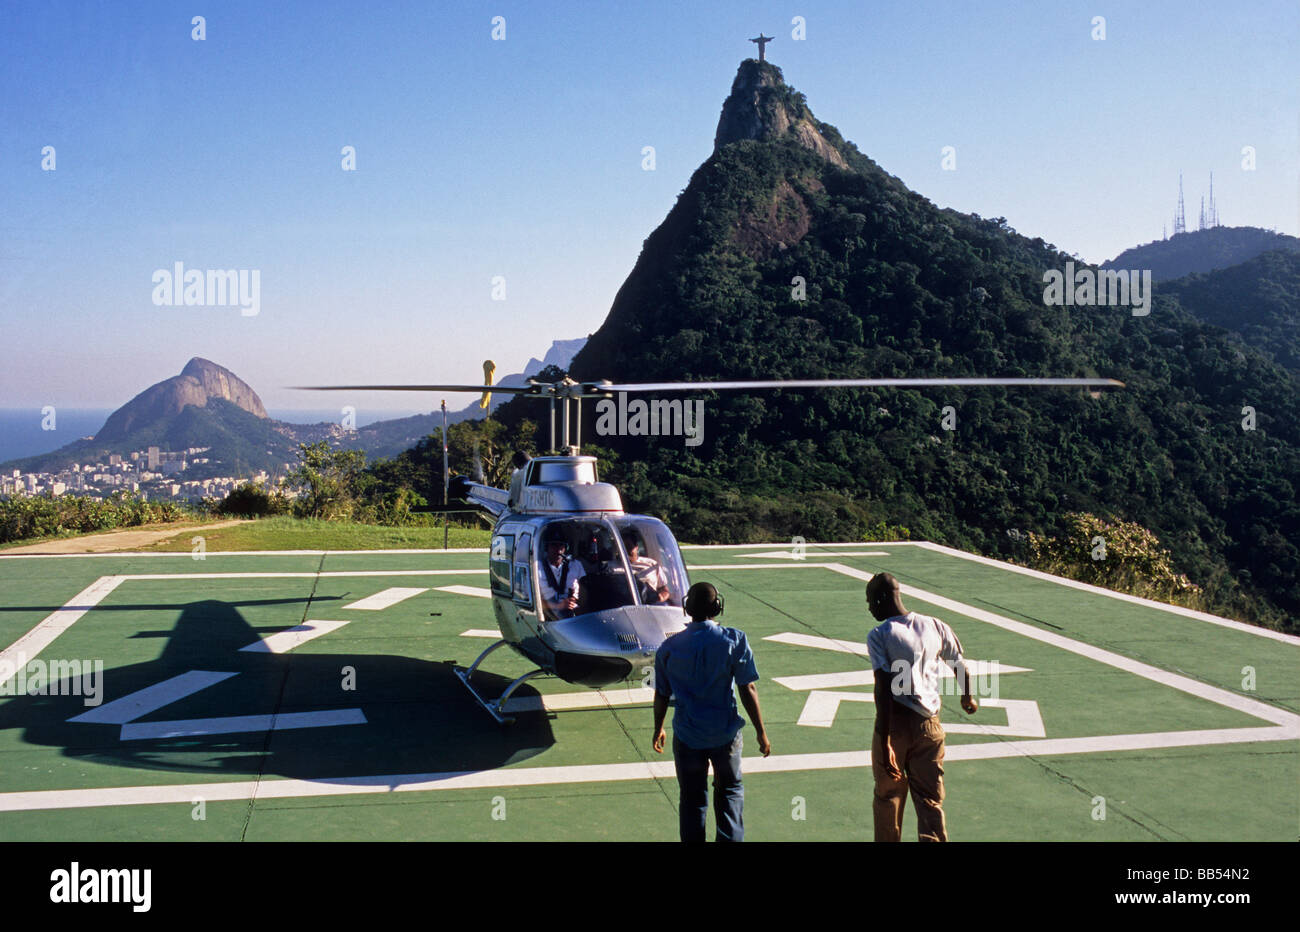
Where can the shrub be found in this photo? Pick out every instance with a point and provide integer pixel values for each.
(1116, 554)
(252, 501)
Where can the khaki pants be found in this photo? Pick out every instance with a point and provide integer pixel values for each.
(918, 749)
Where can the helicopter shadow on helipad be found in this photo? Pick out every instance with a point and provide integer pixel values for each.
(407, 716)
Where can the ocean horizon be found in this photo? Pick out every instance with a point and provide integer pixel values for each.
(27, 431)
(30, 432)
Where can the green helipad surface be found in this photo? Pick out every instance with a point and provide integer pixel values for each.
(1110, 719)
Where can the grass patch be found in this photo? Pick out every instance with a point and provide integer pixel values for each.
(284, 533)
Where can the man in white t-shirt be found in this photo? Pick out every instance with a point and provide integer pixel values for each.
(907, 744)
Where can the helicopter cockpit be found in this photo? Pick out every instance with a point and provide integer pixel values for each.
(624, 560)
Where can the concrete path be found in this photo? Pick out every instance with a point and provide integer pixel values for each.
(116, 541)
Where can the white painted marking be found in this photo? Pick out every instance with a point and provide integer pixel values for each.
(821, 643)
(284, 641)
(232, 724)
(841, 543)
(989, 750)
(820, 707)
(591, 699)
(795, 565)
(1024, 720)
(466, 590)
(827, 680)
(596, 773)
(1109, 593)
(382, 600)
(337, 574)
(55, 623)
(481, 633)
(243, 553)
(787, 555)
(151, 698)
(978, 669)
(1185, 684)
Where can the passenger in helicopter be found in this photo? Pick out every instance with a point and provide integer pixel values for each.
(652, 582)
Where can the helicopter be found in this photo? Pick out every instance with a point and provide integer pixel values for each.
(617, 581)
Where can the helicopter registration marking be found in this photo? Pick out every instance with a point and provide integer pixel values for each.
(541, 498)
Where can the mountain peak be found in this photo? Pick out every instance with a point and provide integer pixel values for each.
(200, 381)
(197, 366)
(762, 106)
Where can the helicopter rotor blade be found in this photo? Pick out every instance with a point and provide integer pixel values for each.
(1095, 384)
(472, 389)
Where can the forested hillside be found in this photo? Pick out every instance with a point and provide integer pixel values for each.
(1258, 299)
(895, 286)
(1202, 251)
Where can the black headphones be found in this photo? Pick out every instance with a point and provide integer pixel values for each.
(703, 601)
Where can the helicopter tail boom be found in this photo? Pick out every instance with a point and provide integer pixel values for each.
(492, 500)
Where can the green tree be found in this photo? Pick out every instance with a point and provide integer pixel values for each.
(329, 482)
(484, 450)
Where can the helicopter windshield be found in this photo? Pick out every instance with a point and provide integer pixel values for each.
(594, 564)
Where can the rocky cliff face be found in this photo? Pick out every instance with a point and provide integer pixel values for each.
(761, 106)
(198, 382)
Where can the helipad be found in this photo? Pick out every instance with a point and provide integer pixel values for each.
(311, 696)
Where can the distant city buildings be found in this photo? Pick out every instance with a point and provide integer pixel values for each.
(153, 474)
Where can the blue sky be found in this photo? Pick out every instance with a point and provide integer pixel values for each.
(522, 158)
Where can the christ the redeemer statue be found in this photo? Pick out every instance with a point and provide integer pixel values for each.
(762, 40)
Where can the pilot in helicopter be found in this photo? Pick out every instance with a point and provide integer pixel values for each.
(559, 575)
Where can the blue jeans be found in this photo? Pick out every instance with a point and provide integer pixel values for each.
(728, 791)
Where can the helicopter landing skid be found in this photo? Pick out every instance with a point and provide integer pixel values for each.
(496, 707)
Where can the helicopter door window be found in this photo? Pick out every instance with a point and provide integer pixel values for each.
(654, 559)
(523, 574)
(523, 586)
(503, 546)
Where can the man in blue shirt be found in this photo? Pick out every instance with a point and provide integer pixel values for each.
(700, 667)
